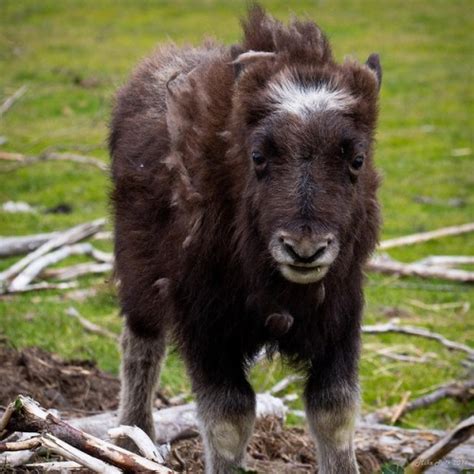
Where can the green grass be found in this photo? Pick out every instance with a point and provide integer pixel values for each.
(426, 114)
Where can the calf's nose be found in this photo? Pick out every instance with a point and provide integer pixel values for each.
(305, 250)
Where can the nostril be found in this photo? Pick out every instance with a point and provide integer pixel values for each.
(319, 251)
(291, 251)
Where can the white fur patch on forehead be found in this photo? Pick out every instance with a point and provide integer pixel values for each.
(300, 100)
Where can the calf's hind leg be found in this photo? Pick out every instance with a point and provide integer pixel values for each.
(140, 368)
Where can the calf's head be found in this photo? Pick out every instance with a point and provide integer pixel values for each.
(307, 133)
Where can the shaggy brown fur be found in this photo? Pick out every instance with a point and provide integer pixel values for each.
(243, 218)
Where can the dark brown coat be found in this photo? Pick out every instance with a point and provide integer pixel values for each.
(227, 165)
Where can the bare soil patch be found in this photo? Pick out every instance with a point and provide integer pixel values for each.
(74, 387)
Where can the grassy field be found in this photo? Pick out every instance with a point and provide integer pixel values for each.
(72, 55)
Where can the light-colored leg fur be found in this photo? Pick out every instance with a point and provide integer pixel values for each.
(141, 363)
(225, 435)
(333, 431)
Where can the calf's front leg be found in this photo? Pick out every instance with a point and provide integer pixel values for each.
(332, 402)
(226, 412)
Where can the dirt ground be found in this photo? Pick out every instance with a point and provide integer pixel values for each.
(74, 387)
(78, 388)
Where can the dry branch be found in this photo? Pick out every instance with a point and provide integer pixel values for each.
(25, 160)
(10, 246)
(284, 383)
(25, 277)
(462, 391)
(439, 450)
(43, 285)
(75, 271)
(28, 416)
(56, 466)
(30, 443)
(56, 445)
(90, 326)
(8, 103)
(175, 422)
(415, 331)
(446, 260)
(384, 264)
(425, 236)
(68, 237)
(141, 440)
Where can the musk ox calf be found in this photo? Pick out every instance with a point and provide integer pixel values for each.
(244, 196)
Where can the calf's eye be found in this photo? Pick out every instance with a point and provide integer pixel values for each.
(357, 162)
(258, 158)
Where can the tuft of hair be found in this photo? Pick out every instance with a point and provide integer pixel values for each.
(299, 42)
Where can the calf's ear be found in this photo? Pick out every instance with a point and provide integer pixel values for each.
(241, 59)
(373, 63)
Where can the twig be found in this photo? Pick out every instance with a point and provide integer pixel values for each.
(43, 285)
(425, 236)
(457, 390)
(389, 354)
(401, 408)
(75, 271)
(37, 266)
(6, 418)
(8, 103)
(415, 331)
(90, 326)
(284, 383)
(10, 246)
(446, 260)
(30, 443)
(141, 440)
(439, 450)
(173, 423)
(70, 452)
(55, 466)
(68, 237)
(24, 160)
(384, 264)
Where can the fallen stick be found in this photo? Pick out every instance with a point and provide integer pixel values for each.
(56, 466)
(90, 326)
(284, 383)
(68, 237)
(462, 391)
(56, 445)
(5, 419)
(43, 285)
(25, 277)
(28, 416)
(10, 246)
(389, 354)
(415, 331)
(439, 450)
(446, 260)
(141, 440)
(30, 443)
(173, 423)
(401, 408)
(25, 160)
(75, 271)
(425, 236)
(384, 264)
(9, 101)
